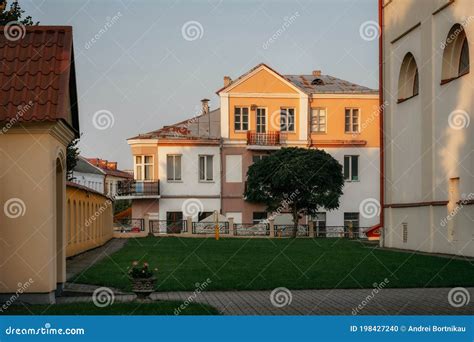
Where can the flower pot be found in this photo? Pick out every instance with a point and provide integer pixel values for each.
(143, 287)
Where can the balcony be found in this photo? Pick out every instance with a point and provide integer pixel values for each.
(138, 189)
(261, 141)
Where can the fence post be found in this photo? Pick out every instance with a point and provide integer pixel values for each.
(271, 223)
(189, 224)
(146, 224)
(231, 226)
(311, 229)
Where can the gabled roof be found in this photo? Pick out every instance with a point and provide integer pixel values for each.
(84, 166)
(309, 84)
(109, 168)
(203, 127)
(36, 73)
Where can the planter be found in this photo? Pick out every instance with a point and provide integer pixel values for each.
(143, 287)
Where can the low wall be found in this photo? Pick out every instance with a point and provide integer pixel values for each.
(89, 219)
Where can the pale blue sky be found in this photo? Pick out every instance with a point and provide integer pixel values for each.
(147, 75)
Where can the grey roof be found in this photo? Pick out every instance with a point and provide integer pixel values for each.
(85, 167)
(325, 84)
(205, 126)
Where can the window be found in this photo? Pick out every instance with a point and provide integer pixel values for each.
(352, 120)
(408, 79)
(173, 167)
(204, 214)
(351, 220)
(287, 120)
(144, 167)
(455, 54)
(405, 232)
(206, 168)
(241, 118)
(318, 120)
(259, 216)
(320, 221)
(351, 168)
(261, 120)
(258, 157)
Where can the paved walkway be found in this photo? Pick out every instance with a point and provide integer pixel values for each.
(433, 301)
(83, 261)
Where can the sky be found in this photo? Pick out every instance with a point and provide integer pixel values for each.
(142, 64)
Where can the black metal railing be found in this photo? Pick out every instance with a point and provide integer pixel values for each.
(251, 229)
(210, 227)
(170, 227)
(284, 230)
(348, 232)
(129, 225)
(138, 188)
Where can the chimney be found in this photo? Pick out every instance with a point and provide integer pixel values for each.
(317, 73)
(205, 106)
(227, 81)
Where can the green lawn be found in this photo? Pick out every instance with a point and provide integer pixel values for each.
(132, 308)
(253, 264)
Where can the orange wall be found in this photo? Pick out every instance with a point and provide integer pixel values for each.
(263, 82)
(273, 106)
(146, 150)
(335, 112)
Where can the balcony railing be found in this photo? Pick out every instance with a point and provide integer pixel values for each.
(138, 188)
(263, 139)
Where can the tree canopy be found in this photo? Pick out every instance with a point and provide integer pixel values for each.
(13, 13)
(302, 181)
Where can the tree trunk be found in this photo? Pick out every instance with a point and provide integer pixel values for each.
(295, 222)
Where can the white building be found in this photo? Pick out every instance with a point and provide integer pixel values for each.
(428, 91)
(86, 174)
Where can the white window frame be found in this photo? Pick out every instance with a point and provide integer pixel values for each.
(319, 109)
(286, 109)
(350, 168)
(241, 129)
(174, 179)
(205, 157)
(265, 123)
(351, 120)
(143, 164)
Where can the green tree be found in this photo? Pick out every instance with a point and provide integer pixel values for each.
(13, 13)
(72, 153)
(300, 180)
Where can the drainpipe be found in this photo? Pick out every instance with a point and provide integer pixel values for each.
(381, 121)
(222, 173)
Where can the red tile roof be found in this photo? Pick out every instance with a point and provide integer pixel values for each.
(38, 69)
(110, 168)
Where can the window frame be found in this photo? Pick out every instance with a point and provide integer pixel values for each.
(350, 176)
(352, 220)
(174, 179)
(205, 171)
(265, 123)
(319, 118)
(241, 115)
(143, 164)
(286, 116)
(351, 120)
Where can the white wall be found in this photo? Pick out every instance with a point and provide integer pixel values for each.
(91, 180)
(190, 184)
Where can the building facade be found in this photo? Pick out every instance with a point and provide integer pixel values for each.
(88, 175)
(199, 166)
(427, 89)
(112, 175)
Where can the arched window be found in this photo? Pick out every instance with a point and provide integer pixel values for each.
(408, 83)
(455, 54)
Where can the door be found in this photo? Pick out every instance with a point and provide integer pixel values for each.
(174, 222)
(261, 120)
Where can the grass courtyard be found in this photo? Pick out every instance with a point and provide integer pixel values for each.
(257, 264)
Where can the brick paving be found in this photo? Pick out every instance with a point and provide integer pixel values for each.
(416, 301)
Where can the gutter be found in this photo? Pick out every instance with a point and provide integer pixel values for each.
(381, 123)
